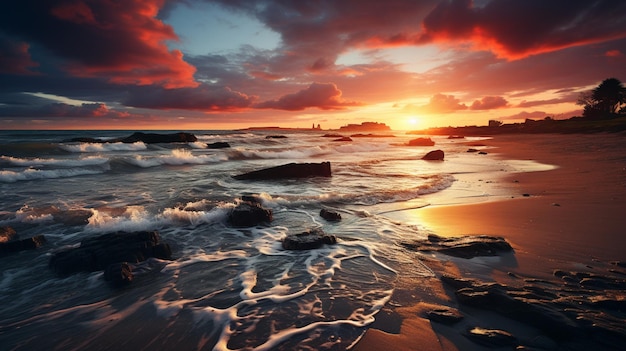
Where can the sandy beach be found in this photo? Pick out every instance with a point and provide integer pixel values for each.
(567, 219)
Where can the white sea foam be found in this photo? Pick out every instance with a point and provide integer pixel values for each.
(176, 157)
(103, 147)
(27, 162)
(9, 176)
(241, 153)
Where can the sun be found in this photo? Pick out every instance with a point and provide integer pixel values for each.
(412, 121)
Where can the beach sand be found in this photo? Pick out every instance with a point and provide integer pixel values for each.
(569, 218)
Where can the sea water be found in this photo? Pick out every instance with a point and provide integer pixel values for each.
(226, 288)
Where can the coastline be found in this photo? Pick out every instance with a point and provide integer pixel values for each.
(567, 218)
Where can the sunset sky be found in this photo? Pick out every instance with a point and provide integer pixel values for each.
(227, 64)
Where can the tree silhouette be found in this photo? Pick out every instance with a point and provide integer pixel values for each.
(604, 101)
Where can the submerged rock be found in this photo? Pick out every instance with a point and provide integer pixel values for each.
(465, 246)
(13, 245)
(147, 138)
(343, 139)
(445, 315)
(7, 234)
(96, 254)
(312, 239)
(249, 214)
(218, 145)
(491, 337)
(421, 142)
(290, 170)
(331, 216)
(119, 274)
(435, 155)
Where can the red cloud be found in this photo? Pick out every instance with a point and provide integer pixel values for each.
(120, 41)
(489, 103)
(324, 96)
(14, 57)
(85, 110)
(516, 29)
(614, 53)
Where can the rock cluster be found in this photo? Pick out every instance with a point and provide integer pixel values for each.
(10, 243)
(465, 246)
(112, 253)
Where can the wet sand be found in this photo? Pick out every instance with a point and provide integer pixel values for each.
(570, 218)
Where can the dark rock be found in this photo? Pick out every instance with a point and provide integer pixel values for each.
(96, 254)
(119, 274)
(312, 239)
(465, 247)
(360, 135)
(148, 138)
(22, 245)
(482, 153)
(491, 337)
(154, 138)
(435, 155)
(252, 199)
(330, 215)
(275, 137)
(290, 170)
(421, 142)
(343, 139)
(472, 150)
(218, 145)
(7, 234)
(249, 214)
(445, 315)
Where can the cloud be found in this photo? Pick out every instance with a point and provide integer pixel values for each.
(14, 57)
(202, 98)
(122, 42)
(63, 110)
(440, 103)
(533, 103)
(489, 103)
(324, 96)
(516, 29)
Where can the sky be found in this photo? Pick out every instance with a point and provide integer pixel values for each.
(232, 64)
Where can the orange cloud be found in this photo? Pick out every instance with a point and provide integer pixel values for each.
(489, 103)
(324, 96)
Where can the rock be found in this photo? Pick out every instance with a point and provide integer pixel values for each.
(96, 254)
(147, 138)
(154, 138)
(491, 337)
(343, 139)
(421, 142)
(445, 315)
(13, 246)
(312, 239)
(7, 234)
(472, 150)
(290, 170)
(435, 155)
(119, 274)
(275, 137)
(218, 145)
(482, 153)
(465, 247)
(330, 215)
(249, 214)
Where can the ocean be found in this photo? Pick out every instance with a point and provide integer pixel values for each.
(226, 288)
